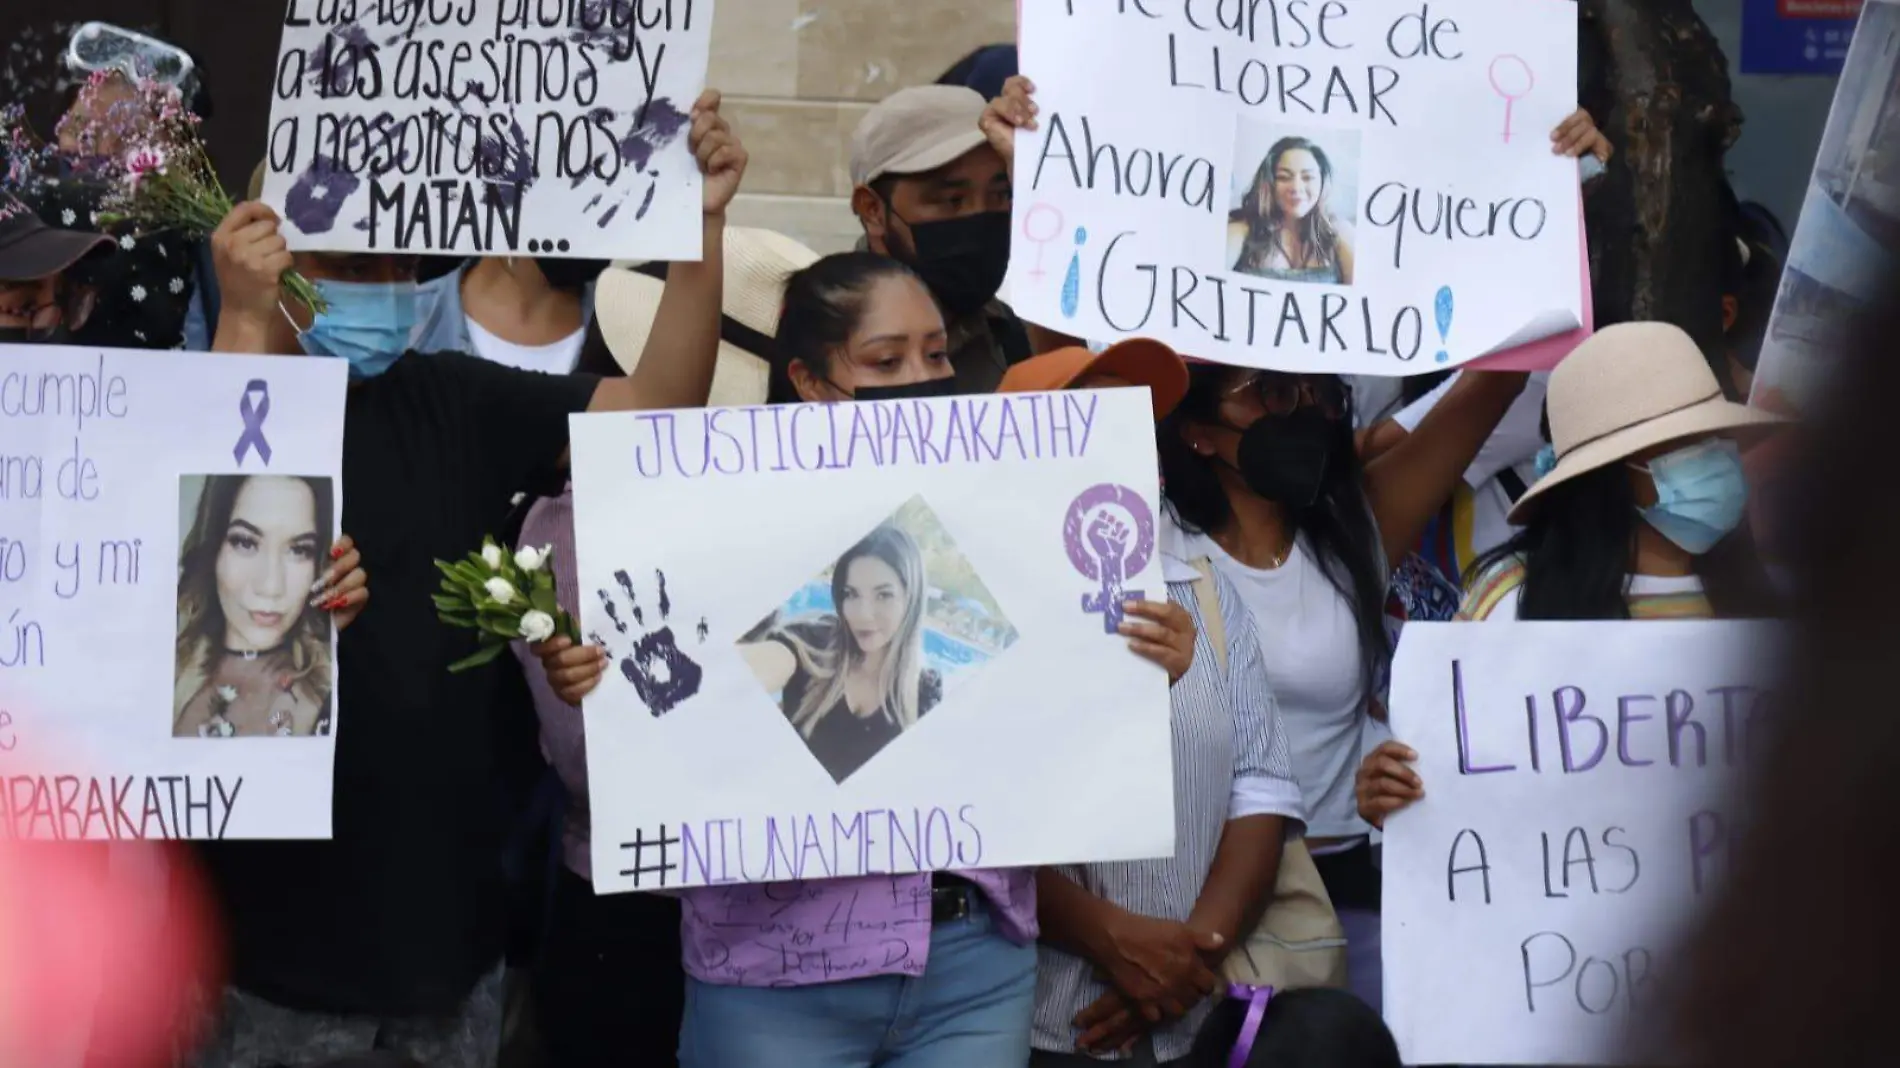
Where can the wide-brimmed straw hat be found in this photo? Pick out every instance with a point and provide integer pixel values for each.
(1630, 388)
(757, 263)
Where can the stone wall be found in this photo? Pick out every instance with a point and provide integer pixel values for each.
(798, 75)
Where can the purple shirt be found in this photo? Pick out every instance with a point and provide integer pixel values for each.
(760, 934)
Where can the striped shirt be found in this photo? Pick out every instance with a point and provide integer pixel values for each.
(1496, 594)
(1231, 760)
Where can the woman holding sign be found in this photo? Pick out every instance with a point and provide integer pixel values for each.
(1638, 514)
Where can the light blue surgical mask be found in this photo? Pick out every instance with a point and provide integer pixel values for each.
(367, 324)
(1701, 494)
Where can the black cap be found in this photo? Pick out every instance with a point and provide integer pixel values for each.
(30, 249)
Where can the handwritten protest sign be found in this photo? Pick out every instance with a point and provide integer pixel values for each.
(489, 127)
(163, 518)
(860, 638)
(1316, 186)
(1576, 811)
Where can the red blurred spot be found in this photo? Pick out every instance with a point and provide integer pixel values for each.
(104, 946)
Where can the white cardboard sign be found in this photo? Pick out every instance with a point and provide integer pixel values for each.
(1576, 812)
(489, 127)
(1362, 187)
(163, 517)
(854, 639)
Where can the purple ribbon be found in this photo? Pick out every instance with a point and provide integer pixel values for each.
(1256, 998)
(253, 414)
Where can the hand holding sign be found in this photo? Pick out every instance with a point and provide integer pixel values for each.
(722, 159)
(1007, 113)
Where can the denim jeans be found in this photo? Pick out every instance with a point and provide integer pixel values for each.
(971, 1009)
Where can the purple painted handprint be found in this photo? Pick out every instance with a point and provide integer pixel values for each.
(662, 675)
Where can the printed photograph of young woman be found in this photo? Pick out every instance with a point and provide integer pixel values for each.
(1295, 206)
(253, 655)
(865, 650)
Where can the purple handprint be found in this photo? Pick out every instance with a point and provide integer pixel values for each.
(662, 675)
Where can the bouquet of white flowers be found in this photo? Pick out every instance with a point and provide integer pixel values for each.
(502, 595)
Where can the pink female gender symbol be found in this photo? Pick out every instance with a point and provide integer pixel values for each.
(1511, 97)
(1041, 241)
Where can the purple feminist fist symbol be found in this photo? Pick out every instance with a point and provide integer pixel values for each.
(661, 674)
(253, 407)
(1105, 549)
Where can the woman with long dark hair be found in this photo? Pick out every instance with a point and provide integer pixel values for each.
(856, 326)
(1286, 225)
(1639, 514)
(1261, 474)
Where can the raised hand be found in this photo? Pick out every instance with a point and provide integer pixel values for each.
(722, 159)
(1007, 113)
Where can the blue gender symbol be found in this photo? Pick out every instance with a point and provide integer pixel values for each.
(1072, 282)
(1444, 321)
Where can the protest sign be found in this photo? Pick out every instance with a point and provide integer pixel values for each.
(489, 127)
(163, 518)
(1359, 188)
(880, 637)
(1576, 810)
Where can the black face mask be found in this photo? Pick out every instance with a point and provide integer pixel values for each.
(1287, 458)
(935, 387)
(962, 261)
(570, 275)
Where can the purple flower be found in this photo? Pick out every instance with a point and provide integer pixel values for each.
(318, 195)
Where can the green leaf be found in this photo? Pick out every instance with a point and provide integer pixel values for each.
(566, 624)
(476, 660)
(450, 602)
(543, 600)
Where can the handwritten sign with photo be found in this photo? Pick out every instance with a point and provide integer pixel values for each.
(860, 638)
(1355, 188)
(163, 520)
(489, 127)
(1576, 813)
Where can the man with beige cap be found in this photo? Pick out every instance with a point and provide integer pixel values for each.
(934, 194)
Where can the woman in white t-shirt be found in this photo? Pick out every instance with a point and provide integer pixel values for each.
(1638, 514)
(1260, 470)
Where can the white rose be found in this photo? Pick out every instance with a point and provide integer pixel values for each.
(529, 558)
(500, 590)
(227, 693)
(537, 626)
(491, 554)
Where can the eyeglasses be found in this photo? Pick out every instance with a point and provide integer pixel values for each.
(1283, 394)
(70, 307)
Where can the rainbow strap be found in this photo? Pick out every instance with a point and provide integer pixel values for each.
(1256, 998)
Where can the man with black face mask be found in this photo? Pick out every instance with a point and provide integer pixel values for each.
(517, 311)
(932, 193)
(39, 303)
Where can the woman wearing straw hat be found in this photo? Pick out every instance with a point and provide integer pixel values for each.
(609, 988)
(1638, 513)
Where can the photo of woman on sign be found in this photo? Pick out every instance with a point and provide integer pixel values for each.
(851, 681)
(1288, 226)
(253, 648)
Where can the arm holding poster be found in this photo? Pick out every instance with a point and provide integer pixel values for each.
(687, 321)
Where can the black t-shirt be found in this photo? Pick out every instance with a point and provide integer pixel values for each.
(401, 912)
(842, 741)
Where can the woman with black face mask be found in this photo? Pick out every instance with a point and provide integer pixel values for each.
(860, 326)
(1261, 476)
(513, 310)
